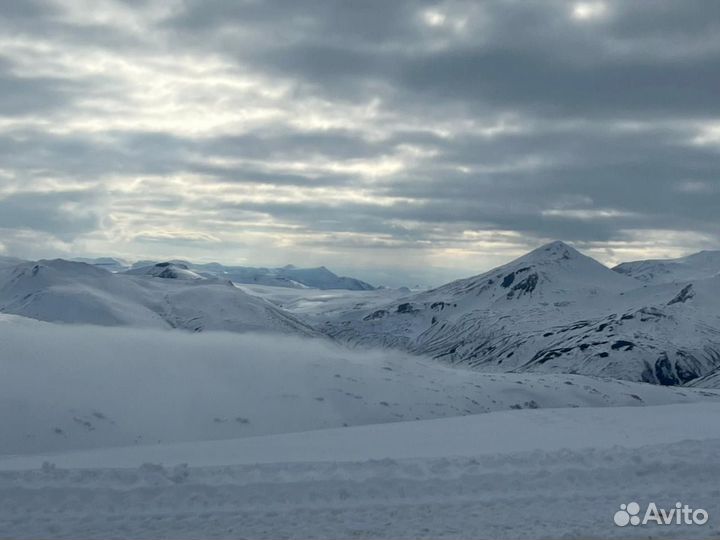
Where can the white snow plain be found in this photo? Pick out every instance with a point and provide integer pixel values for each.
(513, 474)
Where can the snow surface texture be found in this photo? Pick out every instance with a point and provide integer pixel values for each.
(552, 310)
(74, 292)
(516, 474)
(67, 387)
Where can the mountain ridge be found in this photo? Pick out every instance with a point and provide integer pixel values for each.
(553, 309)
(289, 276)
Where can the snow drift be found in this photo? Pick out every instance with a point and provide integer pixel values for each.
(68, 387)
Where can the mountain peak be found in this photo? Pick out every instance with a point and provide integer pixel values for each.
(553, 272)
(556, 250)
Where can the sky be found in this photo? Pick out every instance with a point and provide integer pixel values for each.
(403, 140)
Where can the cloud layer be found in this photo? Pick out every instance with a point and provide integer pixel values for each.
(344, 133)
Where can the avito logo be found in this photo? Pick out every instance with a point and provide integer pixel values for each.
(681, 514)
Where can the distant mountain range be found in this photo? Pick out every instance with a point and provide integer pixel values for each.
(286, 276)
(551, 310)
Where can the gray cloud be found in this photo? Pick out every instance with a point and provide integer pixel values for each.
(61, 213)
(21, 95)
(355, 124)
(617, 67)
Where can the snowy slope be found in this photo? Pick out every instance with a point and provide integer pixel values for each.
(67, 387)
(553, 310)
(704, 264)
(73, 292)
(518, 474)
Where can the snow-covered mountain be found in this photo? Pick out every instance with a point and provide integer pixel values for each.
(700, 265)
(553, 310)
(73, 292)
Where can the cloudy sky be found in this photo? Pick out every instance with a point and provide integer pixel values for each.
(431, 139)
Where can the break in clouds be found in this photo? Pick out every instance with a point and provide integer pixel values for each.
(378, 135)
